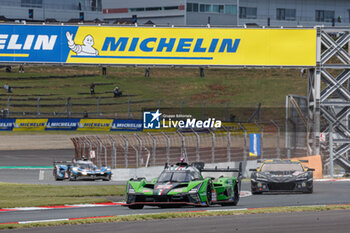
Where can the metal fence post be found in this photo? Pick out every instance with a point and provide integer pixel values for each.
(82, 146)
(227, 117)
(245, 157)
(287, 134)
(137, 155)
(261, 140)
(228, 144)
(125, 150)
(331, 162)
(97, 152)
(128, 108)
(278, 148)
(140, 151)
(68, 107)
(148, 155)
(181, 106)
(203, 110)
(98, 105)
(198, 158)
(104, 147)
(114, 152)
(167, 147)
(183, 146)
(38, 106)
(154, 147)
(212, 146)
(8, 106)
(90, 146)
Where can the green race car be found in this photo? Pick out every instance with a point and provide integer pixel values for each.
(183, 184)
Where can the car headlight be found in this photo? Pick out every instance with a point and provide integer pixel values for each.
(260, 177)
(131, 190)
(302, 176)
(84, 173)
(75, 169)
(196, 188)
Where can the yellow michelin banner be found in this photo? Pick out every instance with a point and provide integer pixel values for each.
(30, 124)
(191, 46)
(95, 124)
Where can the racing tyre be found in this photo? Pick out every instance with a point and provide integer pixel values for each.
(57, 178)
(310, 190)
(55, 175)
(108, 178)
(209, 194)
(135, 207)
(72, 177)
(235, 197)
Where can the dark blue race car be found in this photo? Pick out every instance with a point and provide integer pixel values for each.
(80, 169)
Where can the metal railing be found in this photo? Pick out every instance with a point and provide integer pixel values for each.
(97, 106)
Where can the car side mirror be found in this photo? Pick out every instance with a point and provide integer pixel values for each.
(253, 170)
(311, 169)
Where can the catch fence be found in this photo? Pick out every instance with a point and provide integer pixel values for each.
(157, 148)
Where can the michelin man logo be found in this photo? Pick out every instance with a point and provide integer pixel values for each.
(86, 49)
(151, 120)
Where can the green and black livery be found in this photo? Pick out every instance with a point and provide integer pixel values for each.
(183, 184)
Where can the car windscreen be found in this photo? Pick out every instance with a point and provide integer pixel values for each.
(281, 167)
(85, 165)
(174, 177)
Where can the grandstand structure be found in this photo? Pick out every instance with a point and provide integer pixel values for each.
(51, 10)
(274, 13)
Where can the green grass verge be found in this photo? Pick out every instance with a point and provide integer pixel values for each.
(144, 217)
(26, 195)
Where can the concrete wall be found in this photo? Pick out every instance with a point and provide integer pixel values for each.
(124, 174)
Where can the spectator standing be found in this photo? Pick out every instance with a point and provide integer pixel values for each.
(147, 72)
(104, 71)
(201, 72)
(21, 68)
(8, 88)
(116, 92)
(92, 88)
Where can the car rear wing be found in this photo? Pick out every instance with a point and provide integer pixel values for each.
(228, 169)
(263, 160)
(62, 163)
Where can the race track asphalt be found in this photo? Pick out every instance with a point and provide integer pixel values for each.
(34, 157)
(311, 222)
(324, 193)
